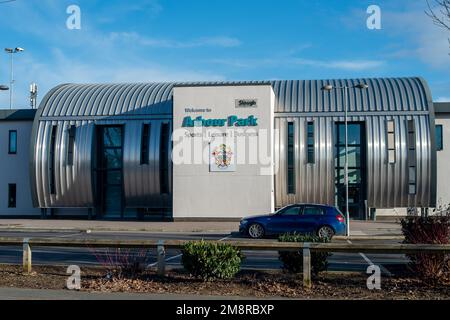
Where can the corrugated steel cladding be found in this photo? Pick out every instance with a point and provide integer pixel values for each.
(87, 106)
(298, 101)
(399, 100)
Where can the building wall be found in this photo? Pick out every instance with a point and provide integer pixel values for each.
(14, 169)
(387, 183)
(443, 158)
(75, 183)
(88, 106)
(199, 192)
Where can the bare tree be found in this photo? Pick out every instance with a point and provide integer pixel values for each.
(439, 12)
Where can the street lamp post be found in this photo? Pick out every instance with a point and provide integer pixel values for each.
(11, 52)
(345, 91)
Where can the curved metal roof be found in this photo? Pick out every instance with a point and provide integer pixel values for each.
(384, 94)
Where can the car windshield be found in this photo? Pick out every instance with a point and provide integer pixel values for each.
(281, 210)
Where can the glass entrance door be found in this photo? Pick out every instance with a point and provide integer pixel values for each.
(109, 171)
(356, 168)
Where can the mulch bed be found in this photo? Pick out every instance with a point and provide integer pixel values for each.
(249, 284)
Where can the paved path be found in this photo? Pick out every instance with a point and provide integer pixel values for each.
(358, 228)
(45, 294)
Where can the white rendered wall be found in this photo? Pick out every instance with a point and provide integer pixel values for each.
(15, 169)
(249, 190)
(443, 162)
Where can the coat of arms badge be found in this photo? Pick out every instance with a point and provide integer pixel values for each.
(222, 156)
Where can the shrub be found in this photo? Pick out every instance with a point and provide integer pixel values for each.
(122, 263)
(293, 261)
(210, 261)
(429, 230)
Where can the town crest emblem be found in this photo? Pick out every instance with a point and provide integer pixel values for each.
(222, 156)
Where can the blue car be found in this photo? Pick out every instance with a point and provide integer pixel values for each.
(324, 221)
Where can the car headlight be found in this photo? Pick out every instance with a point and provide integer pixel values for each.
(244, 221)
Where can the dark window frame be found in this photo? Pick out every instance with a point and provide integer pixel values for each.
(164, 158)
(12, 195)
(106, 142)
(290, 158)
(52, 160)
(145, 144)
(72, 131)
(412, 161)
(391, 147)
(439, 137)
(9, 142)
(310, 136)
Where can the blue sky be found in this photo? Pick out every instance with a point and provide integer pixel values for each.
(190, 40)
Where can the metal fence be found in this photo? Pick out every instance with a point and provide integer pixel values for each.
(161, 247)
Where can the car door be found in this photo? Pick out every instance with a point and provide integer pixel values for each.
(309, 219)
(285, 220)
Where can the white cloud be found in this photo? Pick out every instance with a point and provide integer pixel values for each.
(442, 99)
(91, 55)
(428, 42)
(135, 38)
(62, 69)
(348, 65)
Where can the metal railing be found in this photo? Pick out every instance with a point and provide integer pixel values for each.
(162, 245)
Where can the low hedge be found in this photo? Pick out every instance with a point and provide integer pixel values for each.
(293, 261)
(209, 261)
(429, 230)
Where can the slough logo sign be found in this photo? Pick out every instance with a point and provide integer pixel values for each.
(231, 121)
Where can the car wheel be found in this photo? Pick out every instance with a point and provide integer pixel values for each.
(325, 232)
(256, 231)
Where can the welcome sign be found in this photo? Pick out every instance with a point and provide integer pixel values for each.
(231, 121)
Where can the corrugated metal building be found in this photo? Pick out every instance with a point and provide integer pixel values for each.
(392, 151)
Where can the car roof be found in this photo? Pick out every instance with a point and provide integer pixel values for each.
(312, 204)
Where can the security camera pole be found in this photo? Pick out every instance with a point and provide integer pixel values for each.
(11, 52)
(345, 90)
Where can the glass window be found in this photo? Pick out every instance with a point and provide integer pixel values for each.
(439, 138)
(313, 211)
(12, 142)
(112, 203)
(390, 126)
(164, 159)
(112, 137)
(114, 177)
(12, 195)
(51, 160)
(310, 142)
(353, 156)
(290, 159)
(354, 134)
(71, 145)
(113, 158)
(292, 211)
(412, 161)
(412, 175)
(354, 176)
(145, 143)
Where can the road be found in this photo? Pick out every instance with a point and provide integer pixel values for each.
(253, 260)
